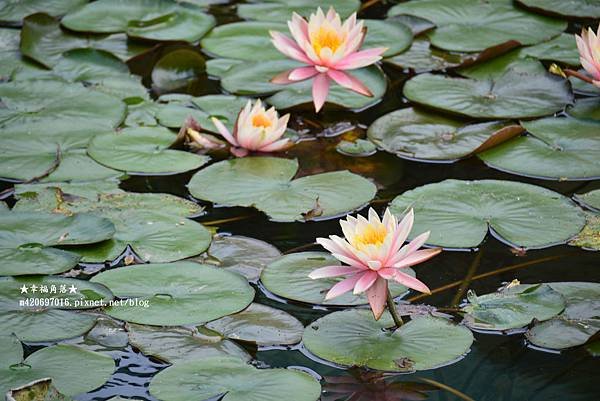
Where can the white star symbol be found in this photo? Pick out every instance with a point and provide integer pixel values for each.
(72, 289)
(24, 289)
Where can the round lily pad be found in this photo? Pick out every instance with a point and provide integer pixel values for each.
(147, 19)
(460, 213)
(586, 109)
(33, 307)
(579, 321)
(564, 8)
(73, 370)
(26, 240)
(287, 277)
(44, 41)
(177, 344)
(239, 254)
(13, 11)
(556, 148)
(143, 150)
(234, 380)
(422, 57)
(590, 199)
(516, 94)
(475, 25)
(281, 10)
(562, 48)
(416, 134)
(177, 69)
(252, 78)
(391, 34)
(513, 308)
(267, 184)
(260, 324)
(353, 338)
(176, 294)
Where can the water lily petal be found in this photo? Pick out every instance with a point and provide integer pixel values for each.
(411, 282)
(343, 286)
(350, 82)
(224, 131)
(281, 144)
(288, 47)
(361, 59)
(282, 78)
(320, 90)
(365, 282)
(377, 296)
(418, 257)
(302, 73)
(332, 271)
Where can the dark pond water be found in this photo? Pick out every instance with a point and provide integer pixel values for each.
(498, 368)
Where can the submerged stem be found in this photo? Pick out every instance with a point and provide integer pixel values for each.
(391, 305)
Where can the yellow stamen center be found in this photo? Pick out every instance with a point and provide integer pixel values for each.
(373, 234)
(326, 37)
(261, 120)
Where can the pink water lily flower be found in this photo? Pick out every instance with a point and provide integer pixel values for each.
(256, 129)
(328, 47)
(589, 53)
(374, 252)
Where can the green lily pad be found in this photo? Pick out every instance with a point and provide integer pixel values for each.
(143, 150)
(582, 87)
(579, 321)
(177, 293)
(44, 41)
(239, 254)
(281, 10)
(141, 114)
(73, 370)
(589, 237)
(586, 109)
(260, 324)
(358, 148)
(13, 11)
(590, 199)
(475, 25)
(354, 338)
(287, 277)
(513, 308)
(233, 379)
(392, 34)
(460, 213)
(415, 134)
(11, 60)
(556, 148)
(147, 19)
(421, 57)
(562, 49)
(267, 184)
(38, 390)
(43, 315)
(516, 94)
(26, 240)
(564, 8)
(177, 69)
(177, 344)
(496, 67)
(46, 192)
(253, 78)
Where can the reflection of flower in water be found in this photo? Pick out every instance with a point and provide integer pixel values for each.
(367, 386)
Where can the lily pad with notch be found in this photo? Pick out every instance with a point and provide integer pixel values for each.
(234, 380)
(353, 338)
(178, 293)
(564, 8)
(268, 184)
(459, 213)
(287, 277)
(12, 12)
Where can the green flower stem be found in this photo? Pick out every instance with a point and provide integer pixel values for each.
(391, 305)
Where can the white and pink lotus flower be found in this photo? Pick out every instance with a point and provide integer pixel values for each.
(589, 53)
(328, 47)
(256, 130)
(374, 252)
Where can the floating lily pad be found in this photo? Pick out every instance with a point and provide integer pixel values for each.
(252, 78)
(586, 109)
(589, 237)
(582, 87)
(579, 321)
(358, 148)
(354, 338)
(421, 57)
(141, 114)
(515, 94)
(460, 213)
(391, 34)
(260, 324)
(233, 379)
(72, 369)
(44, 41)
(154, 225)
(416, 134)
(11, 60)
(38, 390)
(239, 254)
(495, 68)
(177, 344)
(562, 49)
(513, 307)
(177, 69)
(590, 199)
(177, 293)
(13, 11)
(565, 8)
(475, 25)
(281, 10)
(267, 184)
(556, 148)
(143, 150)
(26, 240)
(87, 189)
(287, 277)
(147, 19)
(41, 315)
